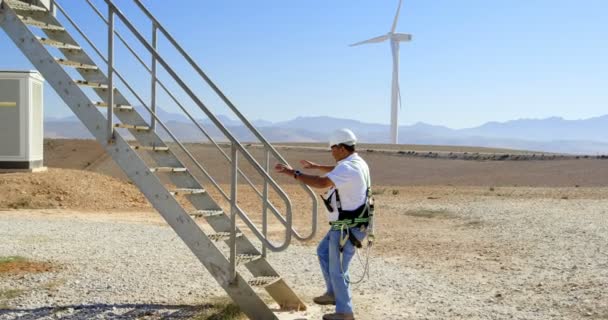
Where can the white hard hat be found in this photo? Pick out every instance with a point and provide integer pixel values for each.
(342, 136)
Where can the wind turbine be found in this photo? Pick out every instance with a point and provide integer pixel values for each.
(395, 39)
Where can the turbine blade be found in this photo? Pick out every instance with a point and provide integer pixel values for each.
(401, 37)
(372, 40)
(396, 17)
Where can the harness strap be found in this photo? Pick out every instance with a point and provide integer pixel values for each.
(338, 202)
(350, 223)
(354, 240)
(344, 237)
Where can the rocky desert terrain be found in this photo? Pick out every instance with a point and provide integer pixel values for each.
(459, 237)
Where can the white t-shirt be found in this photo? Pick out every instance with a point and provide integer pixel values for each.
(350, 178)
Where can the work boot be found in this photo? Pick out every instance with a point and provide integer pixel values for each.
(325, 299)
(339, 316)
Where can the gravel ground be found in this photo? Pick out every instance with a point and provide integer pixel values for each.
(448, 257)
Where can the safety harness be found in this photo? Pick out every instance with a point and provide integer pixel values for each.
(350, 218)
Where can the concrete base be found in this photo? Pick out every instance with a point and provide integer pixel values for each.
(18, 165)
(39, 169)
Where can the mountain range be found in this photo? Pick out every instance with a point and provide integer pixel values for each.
(586, 136)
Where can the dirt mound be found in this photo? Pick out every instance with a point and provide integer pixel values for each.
(64, 188)
(72, 154)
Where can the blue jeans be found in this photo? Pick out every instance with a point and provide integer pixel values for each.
(329, 259)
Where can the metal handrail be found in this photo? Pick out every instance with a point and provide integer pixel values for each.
(274, 210)
(248, 124)
(242, 214)
(236, 145)
(251, 184)
(239, 147)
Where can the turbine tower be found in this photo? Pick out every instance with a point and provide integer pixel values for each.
(395, 39)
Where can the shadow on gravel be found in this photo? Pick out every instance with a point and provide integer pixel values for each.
(123, 311)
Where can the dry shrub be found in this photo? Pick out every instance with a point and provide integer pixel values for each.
(21, 203)
(10, 293)
(221, 309)
(19, 265)
(473, 223)
(378, 191)
(430, 214)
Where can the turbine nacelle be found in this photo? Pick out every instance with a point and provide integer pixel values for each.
(401, 37)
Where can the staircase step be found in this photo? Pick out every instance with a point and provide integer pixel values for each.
(245, 258)
(263, 281)
(57, 44)
(132, 126)
(206, 213)
(168, 169)
(151, 148)
(117, 107)
(40, 24)
(223, 236)
(95, 85)
(183, 191)
(75, 64)
(22, 6)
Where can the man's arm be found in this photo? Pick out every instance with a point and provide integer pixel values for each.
(315, 181)
(307, 179)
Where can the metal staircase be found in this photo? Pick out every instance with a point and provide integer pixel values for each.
(238, 264)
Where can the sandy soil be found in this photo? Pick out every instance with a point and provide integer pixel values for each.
(458, 239)
(387, 168)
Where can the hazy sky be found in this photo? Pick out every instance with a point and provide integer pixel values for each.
(470, 61)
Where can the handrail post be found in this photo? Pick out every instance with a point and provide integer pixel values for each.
(110, 72)
(153, 91)
(265, 205)
(233, 210)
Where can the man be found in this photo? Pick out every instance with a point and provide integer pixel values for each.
(348, 208)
